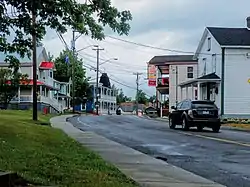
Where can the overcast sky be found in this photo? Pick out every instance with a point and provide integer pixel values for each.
(172, 24)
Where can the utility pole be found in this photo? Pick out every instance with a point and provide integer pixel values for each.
(137, 91)
(34, 63)
(72, 71)
(97, 78)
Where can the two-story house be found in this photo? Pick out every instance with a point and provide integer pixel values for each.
(171, 71)
(45, 83)
(107, 99)
(223, 69)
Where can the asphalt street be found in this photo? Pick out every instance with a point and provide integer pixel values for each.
(222, 157)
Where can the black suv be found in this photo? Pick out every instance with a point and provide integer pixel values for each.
(196, 113)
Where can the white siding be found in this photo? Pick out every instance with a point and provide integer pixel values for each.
(237, 88)
(213, 63)
(181, 77)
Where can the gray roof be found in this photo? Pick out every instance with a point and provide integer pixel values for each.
(172, 58)
(231, 36)
(22, 60)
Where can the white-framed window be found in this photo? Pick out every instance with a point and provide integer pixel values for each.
(204, 66)
(214, 63)
(208, 44)
(190, 72)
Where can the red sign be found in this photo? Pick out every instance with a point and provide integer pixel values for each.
(152, 82)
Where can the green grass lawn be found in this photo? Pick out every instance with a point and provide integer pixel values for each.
(47, 156)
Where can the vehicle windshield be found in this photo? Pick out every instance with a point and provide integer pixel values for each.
(203, 104)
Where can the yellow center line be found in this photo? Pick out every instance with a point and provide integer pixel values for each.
(216, 139)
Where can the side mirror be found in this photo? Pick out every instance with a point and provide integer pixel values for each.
(173, 107)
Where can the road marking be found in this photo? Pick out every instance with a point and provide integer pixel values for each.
(216, 139)
(79, 121)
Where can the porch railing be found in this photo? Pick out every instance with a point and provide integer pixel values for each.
(28, 98)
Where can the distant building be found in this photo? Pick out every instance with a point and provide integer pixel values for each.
(171, 70)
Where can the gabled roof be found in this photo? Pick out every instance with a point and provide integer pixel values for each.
(231, 36)
(171, 58)
(46, 65)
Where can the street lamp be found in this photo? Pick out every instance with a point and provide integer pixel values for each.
(108, 60)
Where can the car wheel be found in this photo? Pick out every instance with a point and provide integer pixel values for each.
(200, 128)
(216, 129)
(171, 125)
(185, 124)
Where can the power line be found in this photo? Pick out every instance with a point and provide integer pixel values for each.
(166, 49)
(149, 46)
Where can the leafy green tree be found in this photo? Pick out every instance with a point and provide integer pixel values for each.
(152, 99)
(59, 15)
(120, 97)
(63, 73)
(142, 98)
(9, 83)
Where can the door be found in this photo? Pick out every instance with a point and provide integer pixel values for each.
(176, 114)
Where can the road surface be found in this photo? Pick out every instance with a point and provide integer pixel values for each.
(222, 157)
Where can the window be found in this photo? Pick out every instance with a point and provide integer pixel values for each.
(178, 106)
(204, 66)
(190, 72)
(51, 74)
(214, 63)
(209, 44)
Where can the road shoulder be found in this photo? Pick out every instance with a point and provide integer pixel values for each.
(145, 170)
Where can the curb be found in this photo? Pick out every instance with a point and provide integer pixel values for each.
(154, 173)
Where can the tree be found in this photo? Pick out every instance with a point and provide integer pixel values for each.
(58, 15)
(104, 79)
(64, 72)
(142, 99)
(9, 83)
(152, 99)
(120, 97)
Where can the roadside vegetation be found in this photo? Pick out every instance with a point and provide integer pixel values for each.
(47, 156)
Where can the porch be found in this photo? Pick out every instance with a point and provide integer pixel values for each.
(44, 95)
(202, 88)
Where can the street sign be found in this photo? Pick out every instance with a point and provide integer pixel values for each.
(151, 82)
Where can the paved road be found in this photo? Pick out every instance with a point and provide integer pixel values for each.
(222, 157)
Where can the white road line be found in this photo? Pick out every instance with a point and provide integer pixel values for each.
(79, 121)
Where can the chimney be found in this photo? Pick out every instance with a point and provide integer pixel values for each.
(248, 23)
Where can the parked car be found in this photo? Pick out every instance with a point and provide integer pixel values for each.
(198, 113)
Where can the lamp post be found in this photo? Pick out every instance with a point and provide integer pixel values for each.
(108, 60)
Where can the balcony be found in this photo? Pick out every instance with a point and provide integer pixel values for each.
(163, 82)
(48, 81)
(163, 85)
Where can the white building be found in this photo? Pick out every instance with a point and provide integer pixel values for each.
(107, 98)
(49, 91)
(224, 70)
(171, 71)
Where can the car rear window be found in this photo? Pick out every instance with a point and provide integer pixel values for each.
(203, 104)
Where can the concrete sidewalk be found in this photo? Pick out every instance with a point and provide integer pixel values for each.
(146, 170)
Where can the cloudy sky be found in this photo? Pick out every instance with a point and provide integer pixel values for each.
(171, 24)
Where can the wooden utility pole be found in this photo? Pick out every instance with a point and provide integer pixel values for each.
(34, 63)
(73, 71)
(137, 91)
(97, 78)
